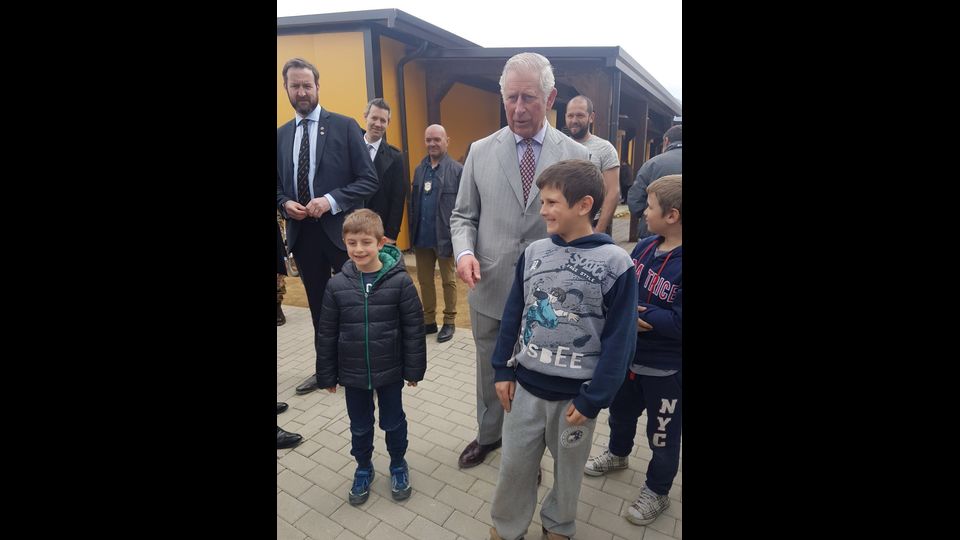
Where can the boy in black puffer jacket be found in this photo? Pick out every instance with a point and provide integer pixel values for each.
(371, 338)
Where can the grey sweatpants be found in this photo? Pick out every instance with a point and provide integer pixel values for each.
(531, 424)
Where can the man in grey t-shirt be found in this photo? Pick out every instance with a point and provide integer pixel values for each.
(579, 117)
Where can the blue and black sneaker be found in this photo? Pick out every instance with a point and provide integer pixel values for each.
(361, 485)
(400, 482)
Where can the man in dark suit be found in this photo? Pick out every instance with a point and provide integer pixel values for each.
(388, 200)
(323, 172)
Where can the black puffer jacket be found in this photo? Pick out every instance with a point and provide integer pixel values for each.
(367, 341)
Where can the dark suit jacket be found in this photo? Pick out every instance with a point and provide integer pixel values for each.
(344, 170)
(388, 200)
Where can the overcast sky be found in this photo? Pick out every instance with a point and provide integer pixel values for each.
(650, 31)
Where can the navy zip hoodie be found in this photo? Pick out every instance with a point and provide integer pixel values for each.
(569, 324)
(661, 292)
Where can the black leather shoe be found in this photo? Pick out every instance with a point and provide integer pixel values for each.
(475, 453)
(281, 406)
(446, 333)
(285, 439)
(281, 319)
(430, 328)
(307, 386)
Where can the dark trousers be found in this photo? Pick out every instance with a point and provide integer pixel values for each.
(318, 258)
(393, 422)
(662, 399)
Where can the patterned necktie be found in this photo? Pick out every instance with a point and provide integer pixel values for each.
(370, 151)
(527, 168)
(303, 166)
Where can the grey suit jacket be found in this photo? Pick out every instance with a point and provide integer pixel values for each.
(490, 217)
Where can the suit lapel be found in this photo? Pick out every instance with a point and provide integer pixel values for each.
(286, 135)
(380, 160)
(507, 156)
(322, 128)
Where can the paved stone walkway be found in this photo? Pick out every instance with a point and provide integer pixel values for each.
(447, 503)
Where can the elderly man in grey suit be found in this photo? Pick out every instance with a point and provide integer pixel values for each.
(497, 215)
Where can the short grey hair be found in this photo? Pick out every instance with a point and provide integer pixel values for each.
(528, 62)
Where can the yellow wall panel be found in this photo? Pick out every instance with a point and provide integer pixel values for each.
(415, 90)
(468, 114)
(391, 51)
(339, 58)
(415, 81)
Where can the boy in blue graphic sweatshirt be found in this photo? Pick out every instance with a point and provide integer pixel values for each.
(567, 336)
(654, 381)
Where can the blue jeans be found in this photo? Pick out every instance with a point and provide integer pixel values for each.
(661, 397)
(393, 422)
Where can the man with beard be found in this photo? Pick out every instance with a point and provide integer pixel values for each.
(323, 172)
(579, 117)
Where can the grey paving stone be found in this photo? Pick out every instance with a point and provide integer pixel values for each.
(316, 525)
(321, 500)
(460, 500)
(286, 531)
(292, 483)
(428, 507)
(423, 529)
(465, 525)
(355, 519)
(289, 508)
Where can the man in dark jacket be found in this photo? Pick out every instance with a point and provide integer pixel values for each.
(370, 339)
(435, 185)
(388, 200)
(670, 161)
(323, 172)
(626, 180)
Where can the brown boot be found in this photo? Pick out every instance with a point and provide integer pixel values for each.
(280, 318)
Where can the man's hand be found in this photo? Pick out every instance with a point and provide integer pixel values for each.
(642, 325)
(505, 392)
(574, 417)
(391, 241)
(295, 210)
(317, 207)
(468, 269)
(332, 389)
(411, 383)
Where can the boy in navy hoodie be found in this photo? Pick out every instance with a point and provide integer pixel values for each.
(567, 336)
(654, 380)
